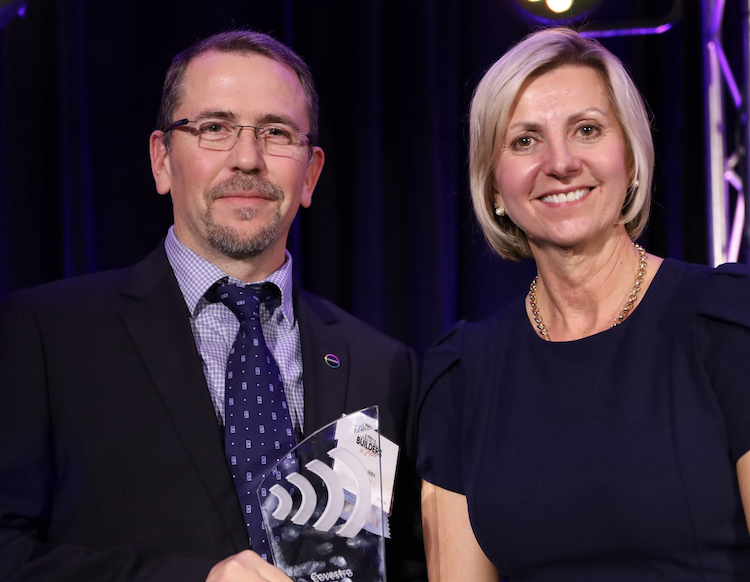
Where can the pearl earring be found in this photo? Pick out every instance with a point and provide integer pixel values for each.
(499, 210)
(635, 184)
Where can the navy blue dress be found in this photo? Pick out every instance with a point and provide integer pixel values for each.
(606, 459)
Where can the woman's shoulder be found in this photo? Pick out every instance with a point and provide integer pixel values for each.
(468, 341)
(727, 294)
(728, 273)
(450, 344)
(721, 293)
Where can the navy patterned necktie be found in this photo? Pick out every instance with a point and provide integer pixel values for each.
(258, 428)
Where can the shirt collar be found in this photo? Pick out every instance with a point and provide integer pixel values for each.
(195, 275)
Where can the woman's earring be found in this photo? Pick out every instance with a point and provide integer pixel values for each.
(499, 210)
(634, 184)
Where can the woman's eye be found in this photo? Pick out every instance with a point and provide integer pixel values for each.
(588, 130)
(523, 142)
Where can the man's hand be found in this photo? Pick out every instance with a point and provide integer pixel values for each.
(246, 566)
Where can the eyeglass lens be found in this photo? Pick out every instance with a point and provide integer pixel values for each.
(272, 139)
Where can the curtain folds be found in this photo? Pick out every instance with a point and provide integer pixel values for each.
(390, 234)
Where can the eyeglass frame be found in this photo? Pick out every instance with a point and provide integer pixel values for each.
(183, 122)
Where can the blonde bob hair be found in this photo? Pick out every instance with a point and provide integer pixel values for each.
(491, 105)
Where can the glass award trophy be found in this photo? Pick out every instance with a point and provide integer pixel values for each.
(322, 504)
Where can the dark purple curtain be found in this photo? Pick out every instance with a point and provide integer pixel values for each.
(390, 235)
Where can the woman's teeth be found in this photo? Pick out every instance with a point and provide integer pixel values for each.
(569, 197)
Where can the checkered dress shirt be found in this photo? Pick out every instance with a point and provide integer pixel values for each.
(215, 326)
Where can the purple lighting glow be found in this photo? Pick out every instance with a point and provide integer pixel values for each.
(727, 74)
(717, 17)
(627, 31)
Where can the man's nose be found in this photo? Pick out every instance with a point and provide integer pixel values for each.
(247, 153)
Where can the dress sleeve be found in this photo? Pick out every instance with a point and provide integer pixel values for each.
(724, 338)
(439, 413)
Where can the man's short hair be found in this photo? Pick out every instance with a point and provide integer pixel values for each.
(243, 42)
(539, 53)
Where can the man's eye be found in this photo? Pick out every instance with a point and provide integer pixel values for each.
(214, 128)
(276, 133)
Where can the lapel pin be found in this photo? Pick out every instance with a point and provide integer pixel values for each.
(332, 360)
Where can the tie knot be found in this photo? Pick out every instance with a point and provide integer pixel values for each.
(244, 302)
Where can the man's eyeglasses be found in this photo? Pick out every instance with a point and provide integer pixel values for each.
(274, 140)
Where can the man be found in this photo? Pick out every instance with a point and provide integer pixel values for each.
(114, 405)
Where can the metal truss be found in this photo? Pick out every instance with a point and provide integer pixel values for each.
(726, 161)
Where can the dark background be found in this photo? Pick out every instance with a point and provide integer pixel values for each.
(390, 235)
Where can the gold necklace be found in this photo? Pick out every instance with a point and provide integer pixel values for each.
(625, 310)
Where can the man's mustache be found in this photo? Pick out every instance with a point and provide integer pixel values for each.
(246, 183)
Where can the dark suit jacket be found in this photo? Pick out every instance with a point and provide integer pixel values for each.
(111, 458)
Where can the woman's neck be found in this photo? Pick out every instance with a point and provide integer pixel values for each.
(581, 292)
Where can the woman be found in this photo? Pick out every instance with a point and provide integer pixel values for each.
(597, 429)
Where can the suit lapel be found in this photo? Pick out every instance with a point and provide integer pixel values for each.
(325, 386)
(157, 321)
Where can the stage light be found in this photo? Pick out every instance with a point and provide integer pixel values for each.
(559, 6)
(556, 11)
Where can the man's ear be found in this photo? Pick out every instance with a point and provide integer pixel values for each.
(314, 168)
(160, 166)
